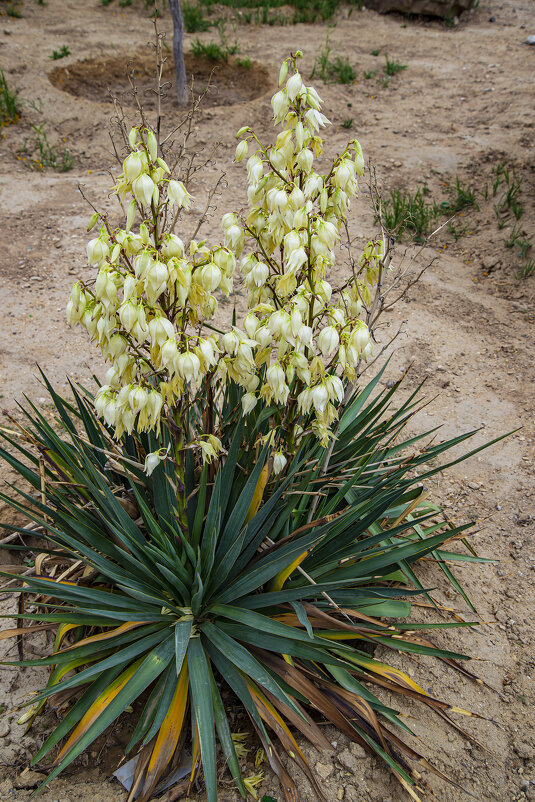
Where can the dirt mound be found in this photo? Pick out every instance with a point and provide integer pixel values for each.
(100, 80)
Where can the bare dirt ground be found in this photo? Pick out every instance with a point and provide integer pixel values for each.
(463, 104)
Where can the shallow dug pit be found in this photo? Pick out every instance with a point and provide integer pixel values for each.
(104, 79)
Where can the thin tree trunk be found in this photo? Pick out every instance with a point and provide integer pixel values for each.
(178, 51)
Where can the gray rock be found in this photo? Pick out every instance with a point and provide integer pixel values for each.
(432, 8)
(530, 40)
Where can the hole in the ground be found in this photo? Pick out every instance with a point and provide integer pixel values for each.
(231, 81)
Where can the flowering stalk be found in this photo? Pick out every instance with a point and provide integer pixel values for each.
(150, 306)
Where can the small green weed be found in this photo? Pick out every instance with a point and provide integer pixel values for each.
(507, 188)
(49, 155)
(527, 269)
(61, 53)
(393, 67)
(376, 52)
(14, 11)
(385, 81)
(339, 71)
(464, 197)
(125, 3)
(9, 105)
(458, 231)
(348, 123)
(404, 211)
(245, 63)
(194, 20)
(370, 74)
(514, 236)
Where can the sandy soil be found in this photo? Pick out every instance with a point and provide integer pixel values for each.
(463, 104)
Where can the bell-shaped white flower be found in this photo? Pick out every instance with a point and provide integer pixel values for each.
(97, 251)
(279, 462)
(143, 188)
(328, 341)
(178, 194)
(133, 167)
(188, 366)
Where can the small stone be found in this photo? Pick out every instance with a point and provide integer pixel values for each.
(348, 761)
(524, 750)
(474, 485)
(28, 779)
(340, 794)
(357, 750)
(530, 40)
(4, 728)
(492, 19)
(324, 770)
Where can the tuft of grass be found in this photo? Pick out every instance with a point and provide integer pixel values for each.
(209, 50)
(407, 212)
(49, 155)
(370, 74)
(376, 52)
(194, 19)
(245, 63)
(9, 104)
(348, 123)
(393, 67)
(61, 53)
(527, 269)
(14, 11)
(464, 198)
(458, 231)
(507, 188)
(338, 71)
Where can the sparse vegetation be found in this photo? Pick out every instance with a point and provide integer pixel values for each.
(348, 123)
(49, 155)
(194, 19)
(9, 103)
(61, 53)
(405, 211)
(338, 71)
(393, 67)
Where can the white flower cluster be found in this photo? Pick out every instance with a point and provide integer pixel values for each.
(152, 294)
(307, 334)
(148, 302)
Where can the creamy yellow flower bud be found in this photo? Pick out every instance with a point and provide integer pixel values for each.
(241, 150)
(210, 277)
(279, 462)
(133, 167)
(132, 137)
(152, 145)
(137, 398)
(294, 86)
(143, 188)
(249, 401)
(97, 251)
(128, 315)
(172, 246)
(283, 72)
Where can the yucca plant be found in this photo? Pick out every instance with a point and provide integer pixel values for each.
(230, 517)
(282, 609)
